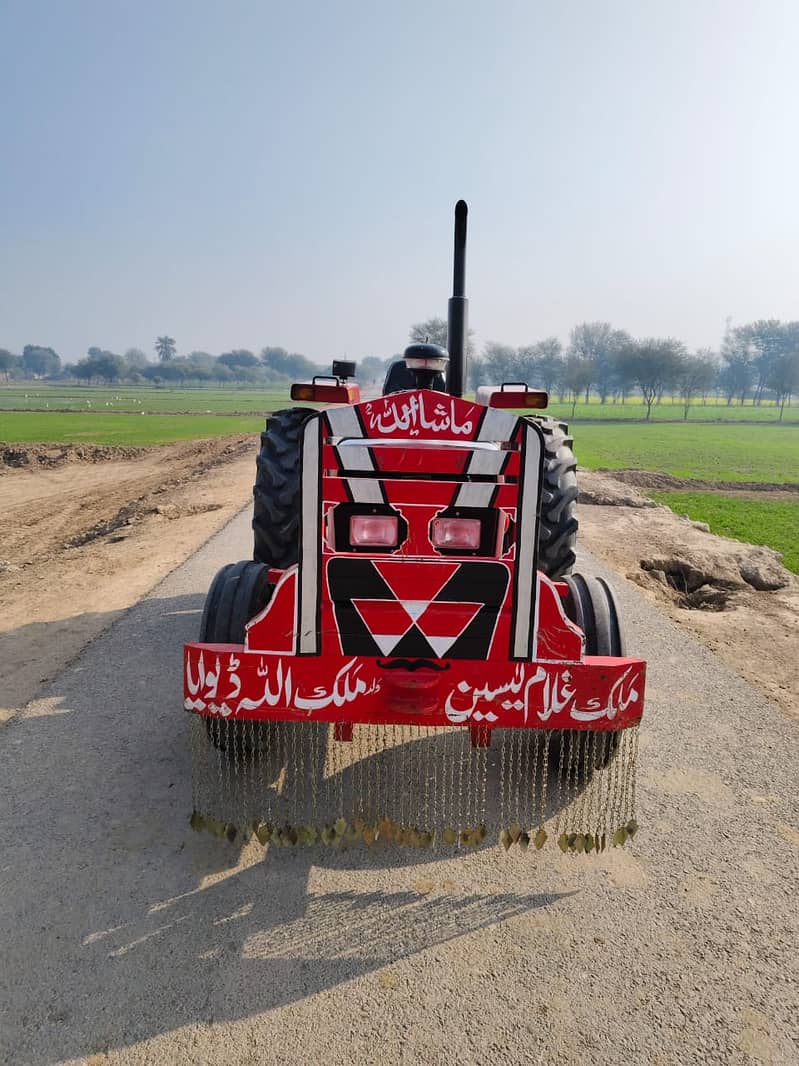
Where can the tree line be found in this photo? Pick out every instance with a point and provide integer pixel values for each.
(100, 366)
(755, 362)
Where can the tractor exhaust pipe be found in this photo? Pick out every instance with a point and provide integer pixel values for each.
(458, 309)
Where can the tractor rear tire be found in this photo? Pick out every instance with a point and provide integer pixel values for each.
(590, 604)
(276, 493)
(237, 593)
(557, 531)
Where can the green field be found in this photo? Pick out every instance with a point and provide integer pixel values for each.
(149, 400)
(714, 452)
(35, 396)
(671, 412)
(707, 452)
(771, 522)
(124, 429)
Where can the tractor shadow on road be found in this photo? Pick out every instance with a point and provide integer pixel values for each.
(119, 924)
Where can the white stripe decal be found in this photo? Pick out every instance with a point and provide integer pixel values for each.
(363, 490)
(475, 494)
(310, 541)
(529, 489)
(497, 426)
(344, 422)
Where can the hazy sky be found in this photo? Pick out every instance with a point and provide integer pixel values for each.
(240, 174)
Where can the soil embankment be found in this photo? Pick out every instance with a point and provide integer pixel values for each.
(736, 597)
(86, 531)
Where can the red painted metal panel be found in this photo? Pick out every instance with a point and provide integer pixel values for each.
(412, 635)
(224, 680)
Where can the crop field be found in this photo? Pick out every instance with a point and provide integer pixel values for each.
(744, 453)
(713, 411)
(771, 522)
(748, 454)
(131, 416)
(38, 397)
(140, 416)
(146, 400)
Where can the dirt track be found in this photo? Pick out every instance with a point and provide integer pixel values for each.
(85, 532)
(127, 939)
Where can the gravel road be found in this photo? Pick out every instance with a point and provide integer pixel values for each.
(126, 938)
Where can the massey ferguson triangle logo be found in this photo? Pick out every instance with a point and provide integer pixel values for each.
(440, 623)
(425, 610)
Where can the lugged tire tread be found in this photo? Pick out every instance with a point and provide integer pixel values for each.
(237, 593)
(557, 532)
(590, 604)
(276, 493)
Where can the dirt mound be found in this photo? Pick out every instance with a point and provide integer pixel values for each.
(659, 482)
(600, 490)
(137, 512)
(708, 580)
(62, 497)
(54, 455)
(647, 479)
(705, 572)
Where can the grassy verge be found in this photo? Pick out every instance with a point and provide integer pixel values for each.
(124, 429)
(707, 452)
(771, 522)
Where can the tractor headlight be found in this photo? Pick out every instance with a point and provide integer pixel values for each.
(374, 531)
(456, 533)
(468, 531)
(366, 527)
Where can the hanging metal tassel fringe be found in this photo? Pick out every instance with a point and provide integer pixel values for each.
(298, 783)
(577, 788)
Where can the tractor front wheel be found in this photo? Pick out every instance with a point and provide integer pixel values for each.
(590, 604)
(237, 593)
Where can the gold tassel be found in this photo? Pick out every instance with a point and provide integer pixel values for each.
(293, 784)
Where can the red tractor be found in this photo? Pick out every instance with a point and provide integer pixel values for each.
(409, 656)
